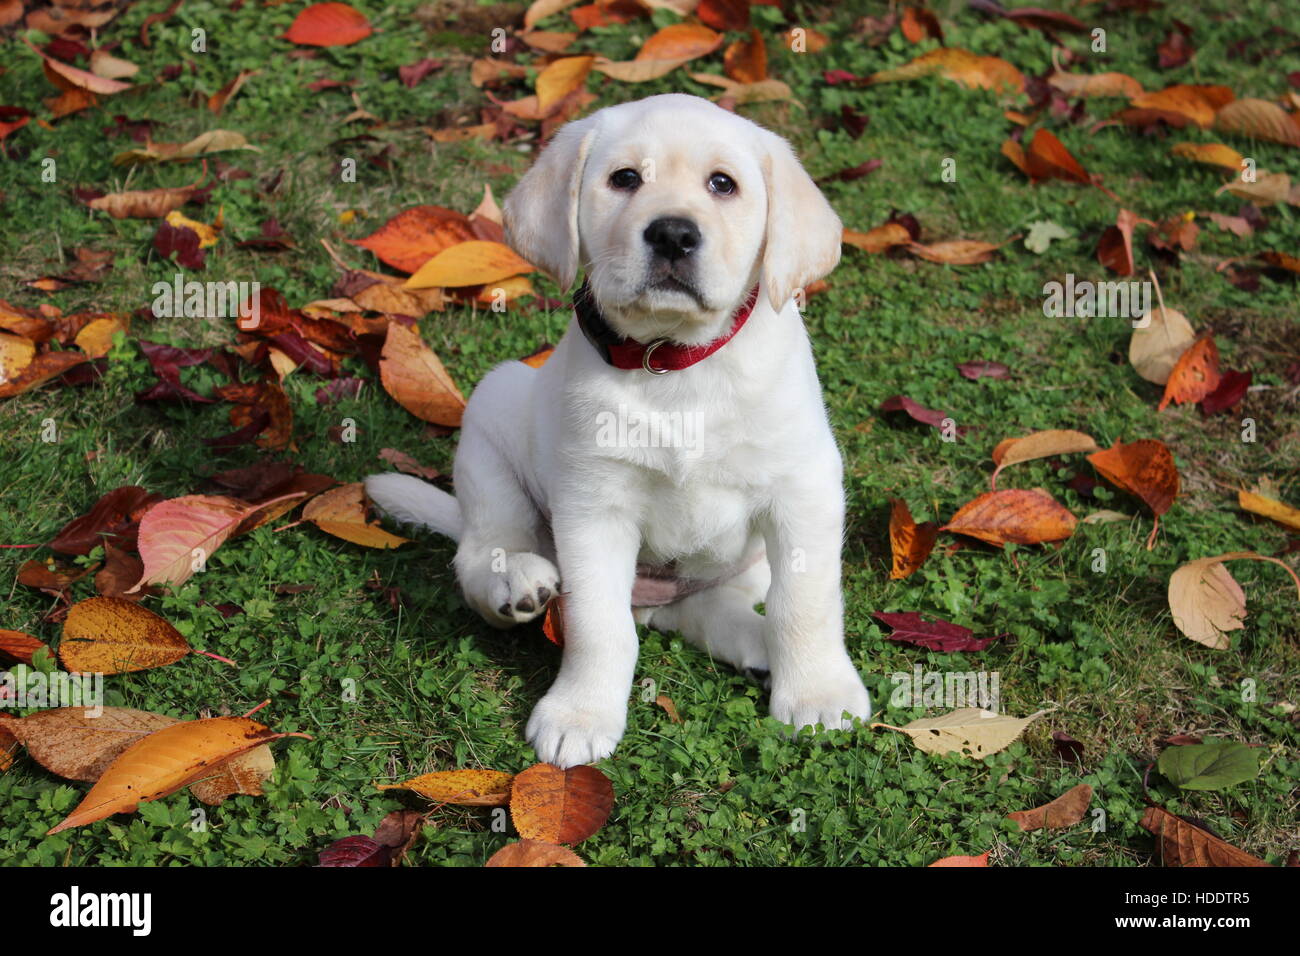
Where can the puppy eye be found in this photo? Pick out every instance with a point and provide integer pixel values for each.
(722, 184)
(625, 179)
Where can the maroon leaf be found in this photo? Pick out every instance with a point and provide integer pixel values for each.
(853, 122)
(338, 390)
(356, 851)
(835, 77)
(297, 348)
(976, 370)
(1231, 390)
(915, 410)
(114, 517)
(911, 628)
(853, 172)
(413, 73)
(181, 241)
(1066, 747)
(1175, 51)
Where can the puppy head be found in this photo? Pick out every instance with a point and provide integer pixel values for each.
(674, 207)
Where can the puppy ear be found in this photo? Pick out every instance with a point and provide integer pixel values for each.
(541, 212)
(803, 231)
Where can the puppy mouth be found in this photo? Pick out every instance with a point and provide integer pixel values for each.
(668, 280)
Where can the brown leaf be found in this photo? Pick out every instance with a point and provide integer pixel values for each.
(1047, 158)
(1260, 119)
(41, 369)
(956, 252)
(1115, 250)
(1180, 843)
(80, 742)
(1065, 811)
(1020, 516)
(560, 806)
(1206, 602)
(879, 239)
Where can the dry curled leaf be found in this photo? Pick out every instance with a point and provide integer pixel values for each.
(1044, 444)
(469, 788)
(1206, 602)
(166, 760)
(1159, 338)
(341, 512)
(1179, 843)
(1065, 811)
(909, 542)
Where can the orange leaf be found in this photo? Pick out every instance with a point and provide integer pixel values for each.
(1195, 374)
(467, 788)
(553, 622)
(1020, 516)
(1143, 468)
(746, 60)
(561, 78)
(328, 24)
(469, 263)
(414, 375)
(1215, 154)
(1180, 103)
(18, 645)
(1047, 158)
(1095, 84)
(534, 853)
(416, 235)
(341, 512)
(560, 806)
(981, 860)
(1065, 811)
(165, 761)
(680, 41)
(911, 543)
(108, 635)
(879, 239)
(40, 370)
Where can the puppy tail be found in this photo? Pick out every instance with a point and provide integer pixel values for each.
(412, 501)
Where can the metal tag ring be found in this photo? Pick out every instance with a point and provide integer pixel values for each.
(645, 359)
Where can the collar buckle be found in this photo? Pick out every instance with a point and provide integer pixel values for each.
(649, 351)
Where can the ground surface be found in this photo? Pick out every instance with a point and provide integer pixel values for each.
(438, 689)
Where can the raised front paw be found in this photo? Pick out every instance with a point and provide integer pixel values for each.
(514, 593)
(568, 733)
(821, 696)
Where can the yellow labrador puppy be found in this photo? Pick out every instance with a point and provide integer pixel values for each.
(672, 463)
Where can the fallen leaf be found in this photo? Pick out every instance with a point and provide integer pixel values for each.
(970, 731)
(1043, 444)
(1205, 601)
(1215, 765)
(328, 24)
(1065, 811)
(1159, 338)
(560, 78)
(1020, 516)
(1213, 154)
(177, 536)
(1260, 504)
(416, 378)
(1195, 374)
(416, 235)
(469, 263)
(164, 761)
(560, 806)
(468, 788)
(981, 860)
(1182, 844)
(108, 635)
(534, 853)
(910, 543)
(1143, 468)
(911, 628)
(342, 513)
(79, 743)
(1260, 119)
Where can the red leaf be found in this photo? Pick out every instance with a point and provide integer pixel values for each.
(911, 628)
(329, 24)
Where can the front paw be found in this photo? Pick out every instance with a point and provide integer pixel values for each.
(568, 732)
(821, 696)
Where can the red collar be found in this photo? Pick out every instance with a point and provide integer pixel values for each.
(657, 357)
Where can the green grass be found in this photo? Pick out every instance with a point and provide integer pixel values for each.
(438, 689)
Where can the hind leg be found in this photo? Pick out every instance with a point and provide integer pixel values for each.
(505, 559)
(722, 621)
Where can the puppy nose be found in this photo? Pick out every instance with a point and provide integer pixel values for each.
(672, 237)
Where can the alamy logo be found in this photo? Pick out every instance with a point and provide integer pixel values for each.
(30, 688)
(1085, 299)
(951, 689)
(628, 428)
(179, 299)
(74, 908)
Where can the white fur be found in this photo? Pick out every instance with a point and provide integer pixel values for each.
(533, 482)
